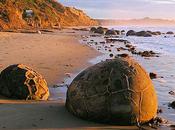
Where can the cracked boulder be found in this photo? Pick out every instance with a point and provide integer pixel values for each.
(116, 91)
(21, 82)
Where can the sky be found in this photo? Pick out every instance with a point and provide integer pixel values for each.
(125, 9)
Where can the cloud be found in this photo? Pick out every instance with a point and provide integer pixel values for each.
(125, 8)
(162, 1)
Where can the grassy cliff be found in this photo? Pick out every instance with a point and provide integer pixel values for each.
(46, 14)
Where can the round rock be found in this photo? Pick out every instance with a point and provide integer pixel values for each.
(117, 91)
(110, 32)
(21, 82)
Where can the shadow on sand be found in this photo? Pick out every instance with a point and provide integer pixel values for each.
(43, 115)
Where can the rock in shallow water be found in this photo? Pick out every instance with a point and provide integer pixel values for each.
(153, 75)
(110, 32)
(117, 91)
(100, 30)
(172, 104)
(21, 82)
(140, 34)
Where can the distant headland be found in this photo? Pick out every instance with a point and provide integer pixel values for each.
(142, 22)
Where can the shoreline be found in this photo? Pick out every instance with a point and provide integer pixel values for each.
(38, 115)
(151, 63)
(50, 114)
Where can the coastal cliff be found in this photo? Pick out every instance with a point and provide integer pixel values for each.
(32, 14)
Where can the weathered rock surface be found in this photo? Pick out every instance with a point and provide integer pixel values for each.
(131, 33)
(153, 75)
(143, 34)
(101, 30)
(170, 32)
(21, 82)
(111, 32)
(172, 104)
(110, 92)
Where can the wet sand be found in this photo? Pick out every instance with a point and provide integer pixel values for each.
(52, 55)
(45, 115)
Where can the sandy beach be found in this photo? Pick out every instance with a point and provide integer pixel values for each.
(45, 115)
(87, 65)
(51, 54)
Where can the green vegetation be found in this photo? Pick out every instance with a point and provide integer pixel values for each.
(31, 1)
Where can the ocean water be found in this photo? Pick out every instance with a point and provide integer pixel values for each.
(155, 43)
(163, 66)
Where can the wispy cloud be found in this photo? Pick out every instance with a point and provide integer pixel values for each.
(163, 1)
(125, 8)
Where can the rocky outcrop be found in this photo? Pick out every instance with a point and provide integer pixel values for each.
(131, 33)
(155, 33)
(140, 34)
(111, 32)
(101, 30)
(172, 104)
(143, 34)
(93, 29)
(170, 32)
(27, 14)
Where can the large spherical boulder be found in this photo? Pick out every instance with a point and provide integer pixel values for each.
(116, 91)
(21, 82)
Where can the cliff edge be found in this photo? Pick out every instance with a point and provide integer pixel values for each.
(32, 14)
